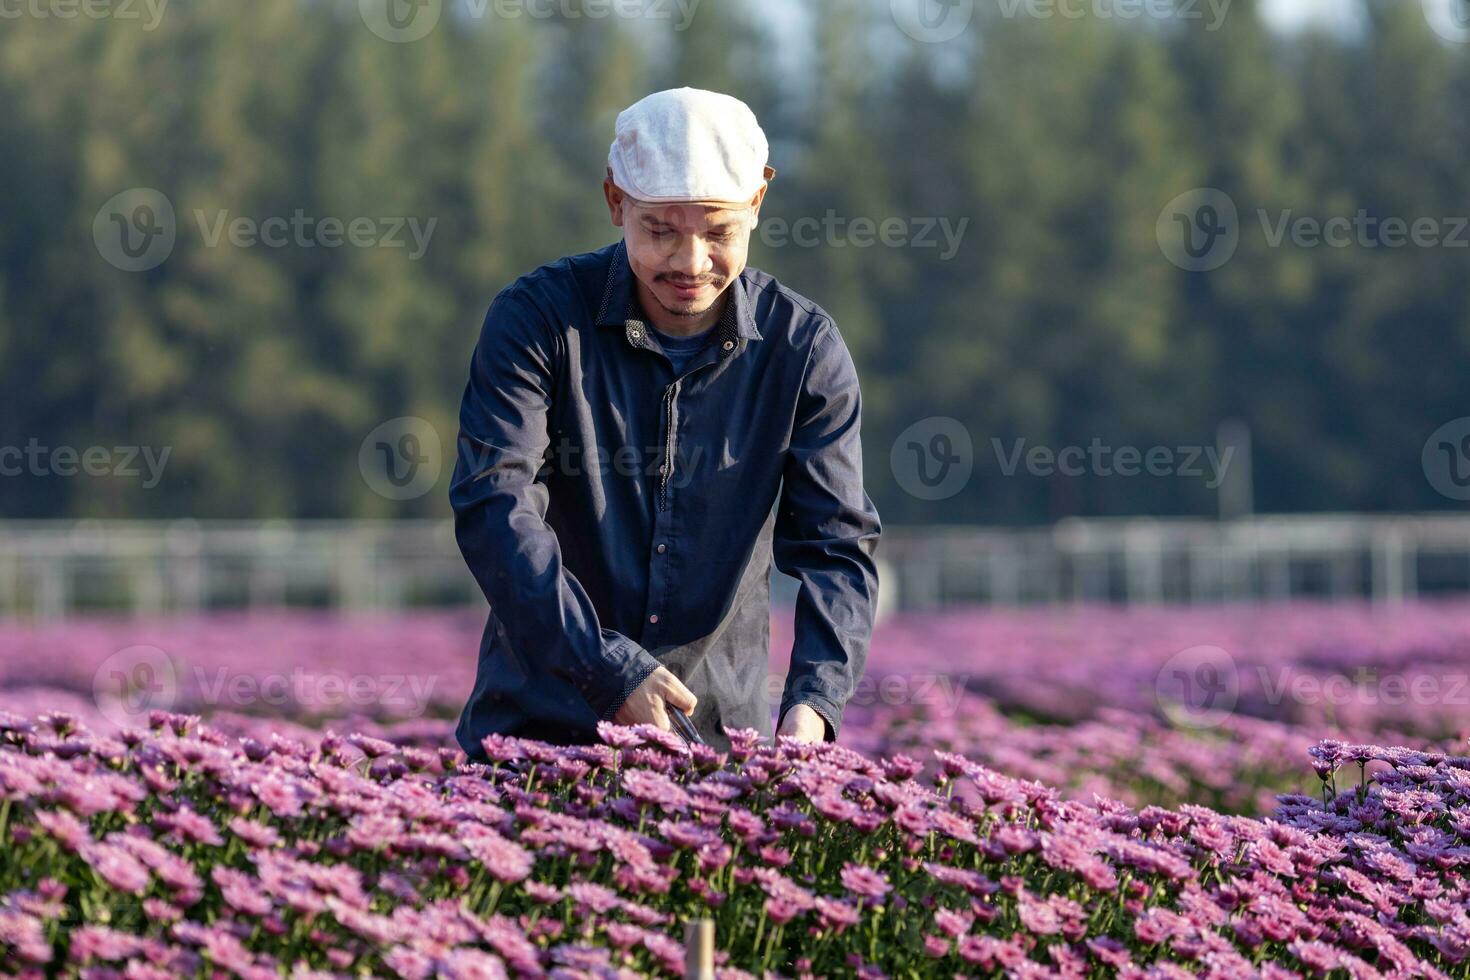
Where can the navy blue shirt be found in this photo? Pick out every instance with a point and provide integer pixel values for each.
(620, 513)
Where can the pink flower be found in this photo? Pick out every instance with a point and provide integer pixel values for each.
(618, 736)
(936, 946)
(1037, 915)
(190, 826)
(688, 834)
(70, 832)
(87, 797)
(656, 737)
(745, 823)
(622, 935)
(94, 942)
(373, 748)
(953, 826)
(253, 833)
(653, 787)
(224, 949)
(116, 867)
(409, 963)
(972, 881)
(542, 893)
(505, 859)
(862, 880)
(1150, 929)
(595, 897)
(1015, 840)
(953, 923)
(900, 767)
(240, 891)
(1316, 955)
(987, 951)
(471, 964)
(25, 935)
(160, 911)
(278, 793)
(837, 915)
(781, 911)
(1109, 951)
(834, 807)
(1326, 756)
(777, 885)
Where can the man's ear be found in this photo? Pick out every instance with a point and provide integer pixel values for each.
(755, 205)
(614, 196)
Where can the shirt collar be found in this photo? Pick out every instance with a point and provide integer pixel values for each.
(620, 309)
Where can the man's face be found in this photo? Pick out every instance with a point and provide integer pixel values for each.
(684, 254)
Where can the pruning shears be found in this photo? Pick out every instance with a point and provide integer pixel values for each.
(684, 726)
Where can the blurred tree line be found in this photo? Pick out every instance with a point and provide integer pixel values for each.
(1057, 320)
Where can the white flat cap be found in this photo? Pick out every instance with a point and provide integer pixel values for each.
(688, 145)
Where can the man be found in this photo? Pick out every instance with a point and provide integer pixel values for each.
(646, 427)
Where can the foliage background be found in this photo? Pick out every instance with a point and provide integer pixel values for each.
(1059, 320)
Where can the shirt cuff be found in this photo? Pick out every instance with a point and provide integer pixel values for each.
(638, 664)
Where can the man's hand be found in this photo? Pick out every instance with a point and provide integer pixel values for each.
(802, 723)
(645, 706)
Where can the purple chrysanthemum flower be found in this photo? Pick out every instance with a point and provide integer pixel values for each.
(837, 915)
(116, 867)
(70, 832)
(865, 881)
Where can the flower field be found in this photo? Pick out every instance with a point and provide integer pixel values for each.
(1066, 696)
(178, 850)
(1016, 795)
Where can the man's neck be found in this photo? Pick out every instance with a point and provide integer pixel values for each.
(680, 326)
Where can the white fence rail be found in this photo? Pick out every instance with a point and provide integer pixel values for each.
(51, 569)
(1385, 558)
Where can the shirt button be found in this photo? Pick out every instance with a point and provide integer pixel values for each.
(653, 618)
(729, 345)
(662, 548)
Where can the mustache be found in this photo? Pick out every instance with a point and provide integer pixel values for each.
(679, 281)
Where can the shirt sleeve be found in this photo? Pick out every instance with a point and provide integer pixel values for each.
(826, 532)
(500, 506)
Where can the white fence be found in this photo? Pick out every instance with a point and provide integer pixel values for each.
(51, 569)
(1386, 558)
